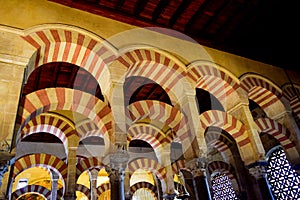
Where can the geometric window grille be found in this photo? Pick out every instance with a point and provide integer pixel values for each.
(284, 181)
(222, 188)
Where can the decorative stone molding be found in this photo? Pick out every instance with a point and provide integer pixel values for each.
(258, 169)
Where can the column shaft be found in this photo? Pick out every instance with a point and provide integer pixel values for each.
(257, 170)
(202, 185)
(93, 186)
(54, 185)
(71, 178)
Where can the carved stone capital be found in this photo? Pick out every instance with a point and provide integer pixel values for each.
(258, 169)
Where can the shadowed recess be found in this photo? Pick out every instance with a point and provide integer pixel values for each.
(139, 88)
(62, 74)
(207, 101)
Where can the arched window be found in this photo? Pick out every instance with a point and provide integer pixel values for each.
(222, 188)
(283, 179)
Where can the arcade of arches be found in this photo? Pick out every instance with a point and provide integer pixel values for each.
(102, 118)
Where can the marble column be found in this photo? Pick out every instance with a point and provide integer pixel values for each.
(257, 170)
(118, 163)
(116, 179)
(54, 185)
(71, 178)
(93, 184)
(198, 167)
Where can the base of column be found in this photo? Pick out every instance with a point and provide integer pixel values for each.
(169, 196)
(70, 196)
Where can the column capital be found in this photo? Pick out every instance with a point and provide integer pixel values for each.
(55, 177)
(198, 166)
(197, 163)
(119, 159)
(258, 169)
(94, 174)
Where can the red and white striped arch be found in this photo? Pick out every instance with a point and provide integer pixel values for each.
(147, 164)
(160, 112)
(88, 128)
(32, 189)
(216, 80)
(263, 92)
(178, 165)
(217, 140)
(232, 126)
(60, 43)
(84, 190)
(141, 185)
(292, 93)
(40, 160)
(67, 99)
(88, 164)
(150, 134)
(159, 67)
(222, 147)
(225, 168)
(102, 188)
(50, 124)
(280, 133)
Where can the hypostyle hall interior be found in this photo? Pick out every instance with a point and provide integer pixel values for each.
(148, 100)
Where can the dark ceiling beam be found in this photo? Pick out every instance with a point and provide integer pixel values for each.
(159, 9)
(232, 18)
(214, 18)
(184, 4)
(119, 4)
(85, 84)
(199, 12)
(139, 7)
(37, 79)
(72, 77)
(106, 12)
(152, 91)
(56, 73)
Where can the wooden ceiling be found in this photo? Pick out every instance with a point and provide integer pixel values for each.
(61, 74)
(262, 30)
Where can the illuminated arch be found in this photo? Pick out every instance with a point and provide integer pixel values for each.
(51, 124)
(159, 111)
(43, 160)
(32, 189)
(142, 184)
(292, 93)
(150, 165)
(102, 188)
(150, 134)
(88, 164)
(280, 133)
(263, 92)
(216, 80)
(68, 99)
(64, 43)
(150, 63)
(84, 190)
(218, 139)
(232, 126)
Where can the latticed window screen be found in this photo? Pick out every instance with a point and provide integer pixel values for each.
(222, 188)
(284, 181)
